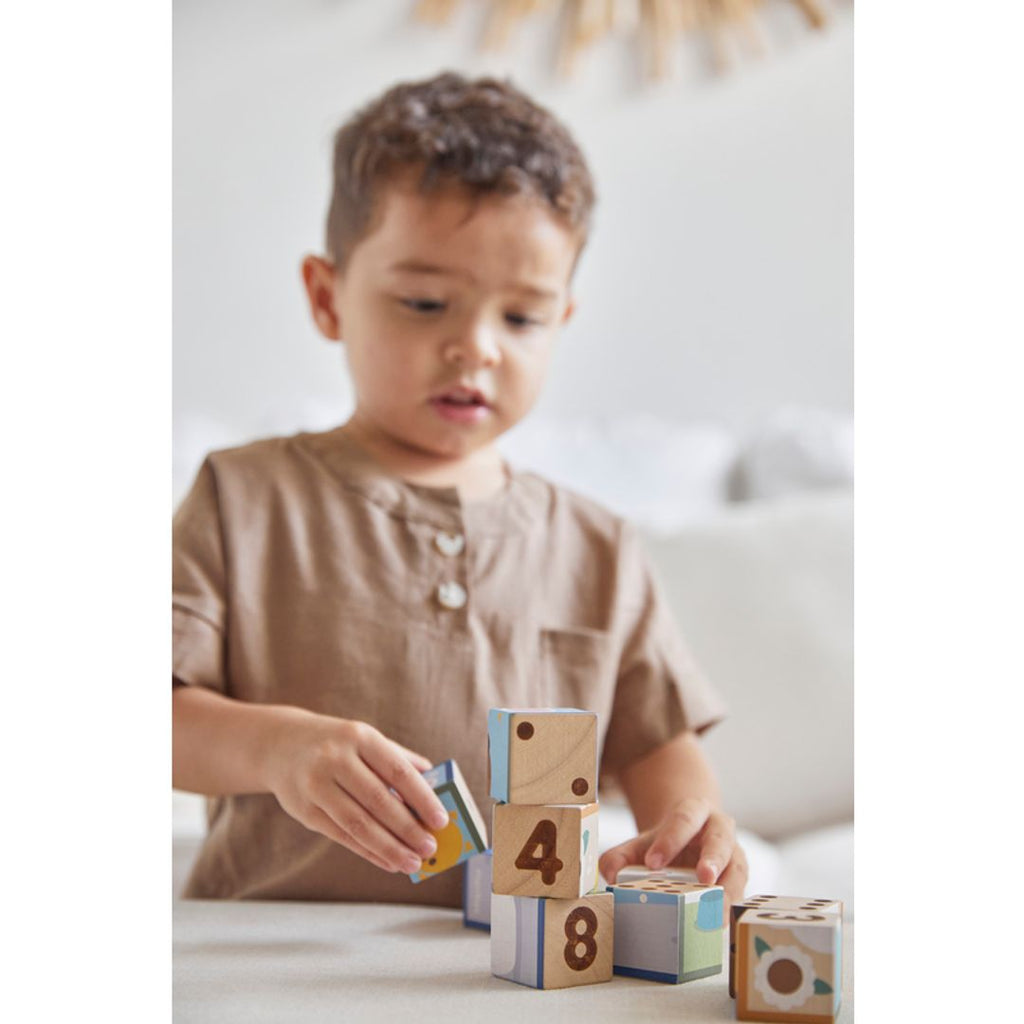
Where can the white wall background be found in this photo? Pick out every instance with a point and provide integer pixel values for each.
(717, 286)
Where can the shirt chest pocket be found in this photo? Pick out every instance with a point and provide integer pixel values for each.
(578, 669)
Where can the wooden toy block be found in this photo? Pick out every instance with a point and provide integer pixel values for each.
(638, 872)
(789, 965)
(546, 851)
(465, 834)
(667, 930)
(476, 892)
(781, 903)
(542, 755)
(547, 943)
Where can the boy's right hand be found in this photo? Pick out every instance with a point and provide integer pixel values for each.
(349, 782)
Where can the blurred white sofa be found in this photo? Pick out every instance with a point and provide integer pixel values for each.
(763, 592)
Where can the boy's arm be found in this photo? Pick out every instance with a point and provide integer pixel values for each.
(335, 776)
(675, 799)
(219, 745)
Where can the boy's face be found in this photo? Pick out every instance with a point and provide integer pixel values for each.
(449, 309)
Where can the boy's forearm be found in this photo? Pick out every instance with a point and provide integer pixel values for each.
(220, 745)
(676, 770)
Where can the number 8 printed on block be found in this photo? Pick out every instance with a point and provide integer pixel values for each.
(577, 938)
(550, 943)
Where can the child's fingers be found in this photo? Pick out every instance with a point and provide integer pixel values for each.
(354, 821)
(734, 878)
(386, 759)
(675, 833)
(381, 804)
(419, 762)
(323, 824)
(718, 841)
(614, 860)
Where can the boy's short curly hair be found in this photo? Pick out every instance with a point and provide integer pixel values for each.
(482, 133)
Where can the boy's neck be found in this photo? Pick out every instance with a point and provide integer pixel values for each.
(476, 476)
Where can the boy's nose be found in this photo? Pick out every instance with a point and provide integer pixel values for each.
(473, 347)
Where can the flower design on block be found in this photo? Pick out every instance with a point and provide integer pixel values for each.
(785, 976)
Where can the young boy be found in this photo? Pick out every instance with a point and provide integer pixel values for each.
(348, 605)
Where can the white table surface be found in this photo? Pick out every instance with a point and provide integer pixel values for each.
(250, 961)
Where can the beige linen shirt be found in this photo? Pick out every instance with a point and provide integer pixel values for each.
(305, 575)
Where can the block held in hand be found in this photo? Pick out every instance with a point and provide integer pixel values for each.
(465, 834)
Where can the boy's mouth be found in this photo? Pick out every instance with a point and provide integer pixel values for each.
(461, 405)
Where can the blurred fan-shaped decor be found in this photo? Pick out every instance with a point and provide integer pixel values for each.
(657, 24)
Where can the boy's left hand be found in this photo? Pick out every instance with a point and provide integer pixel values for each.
(694, 834)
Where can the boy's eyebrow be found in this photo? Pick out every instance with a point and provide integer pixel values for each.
(419, 267)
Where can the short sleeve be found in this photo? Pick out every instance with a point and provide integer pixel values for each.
(199, 586)
(659, 692)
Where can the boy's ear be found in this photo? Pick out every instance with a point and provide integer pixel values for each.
(570, 309)
(320, 278)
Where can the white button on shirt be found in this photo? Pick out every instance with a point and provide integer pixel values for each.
(451, 595)
(450, 544)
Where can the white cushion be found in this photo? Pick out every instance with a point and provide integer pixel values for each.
(764, 595)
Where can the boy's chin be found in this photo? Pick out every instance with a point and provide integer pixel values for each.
(463, 446)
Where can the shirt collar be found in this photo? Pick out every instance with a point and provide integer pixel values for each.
(518, 504)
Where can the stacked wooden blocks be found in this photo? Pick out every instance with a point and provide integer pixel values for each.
(549, 929)
(785, 959)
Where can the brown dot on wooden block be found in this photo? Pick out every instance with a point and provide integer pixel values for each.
(580, 786)
(785, 976)
(524, 730)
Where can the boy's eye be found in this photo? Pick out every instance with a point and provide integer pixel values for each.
(521, 322)
(423, 305)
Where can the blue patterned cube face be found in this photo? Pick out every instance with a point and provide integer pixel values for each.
(476, 892)
(666, 930)
(516, 949)
(440, 774)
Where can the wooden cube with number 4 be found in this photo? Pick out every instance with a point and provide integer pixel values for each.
(546, 851)
(546, 943)
(542, 755)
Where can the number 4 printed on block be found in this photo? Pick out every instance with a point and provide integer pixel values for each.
(548, 851)
(545, 838)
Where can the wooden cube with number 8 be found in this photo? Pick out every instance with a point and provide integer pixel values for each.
(542, 755)
(548, 943)
(545, 851)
